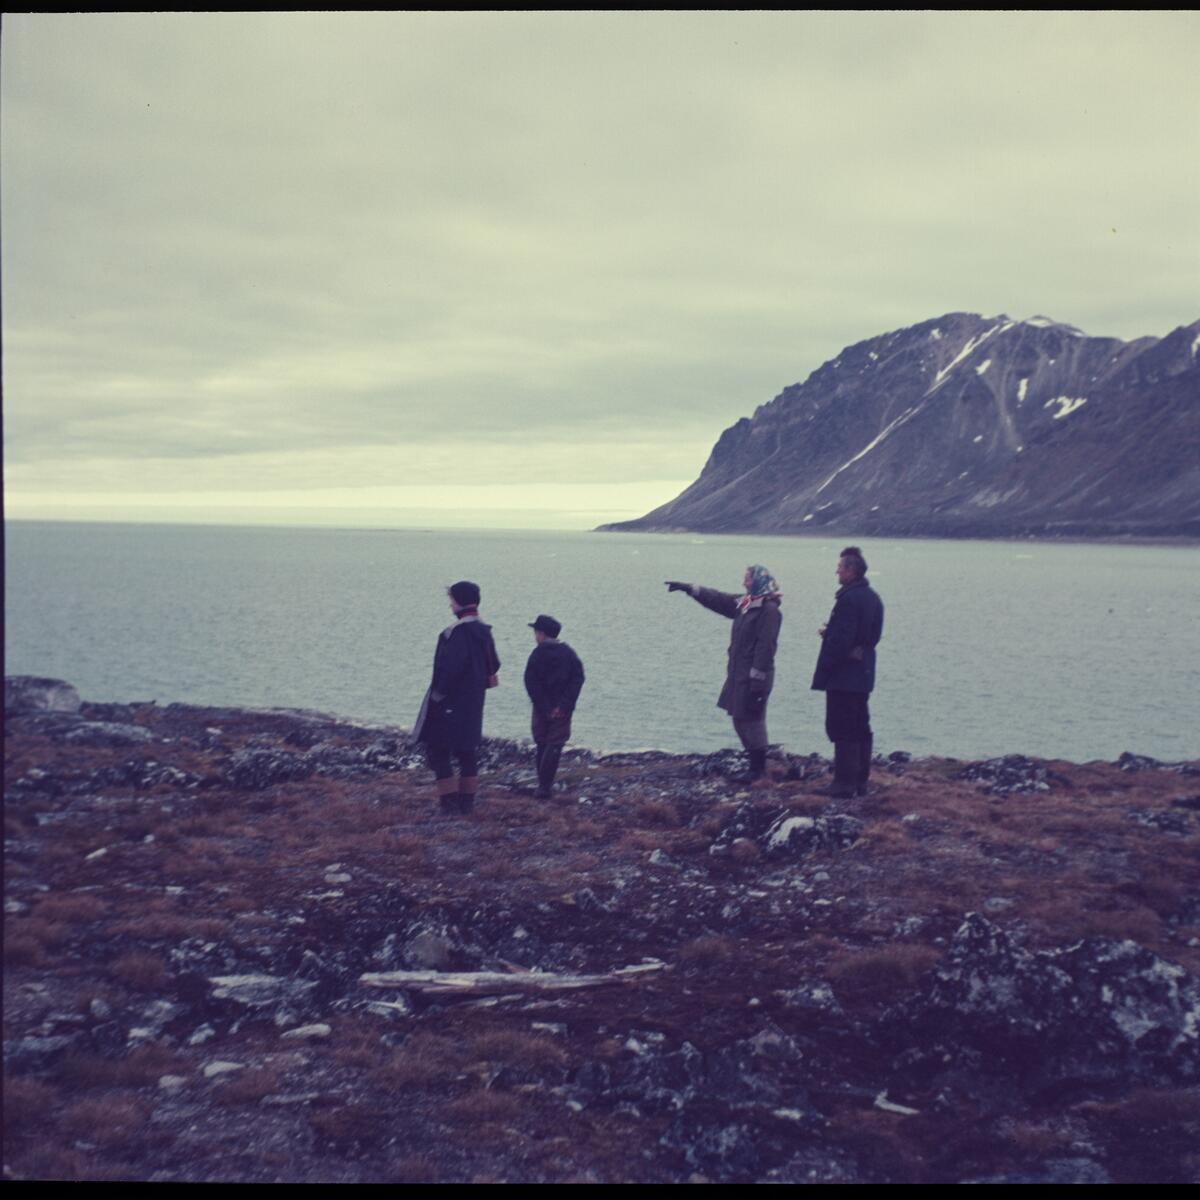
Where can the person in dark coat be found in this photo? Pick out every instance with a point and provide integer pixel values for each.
(750, 674)
(553, 679)
(846, 673)
(465, 664)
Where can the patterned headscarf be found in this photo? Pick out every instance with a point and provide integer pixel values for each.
(762, 585)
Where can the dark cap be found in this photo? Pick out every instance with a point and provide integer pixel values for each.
(547, 625)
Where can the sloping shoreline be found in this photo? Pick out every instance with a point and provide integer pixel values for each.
(859, 991)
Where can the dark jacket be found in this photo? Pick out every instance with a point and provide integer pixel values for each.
(752, 643)
(847, 659)
(553, 677)
(452, 712)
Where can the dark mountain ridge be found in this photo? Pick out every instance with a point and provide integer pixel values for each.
(966, 426)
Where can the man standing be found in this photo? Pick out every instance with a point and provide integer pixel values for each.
(846, 673)
(553, 679)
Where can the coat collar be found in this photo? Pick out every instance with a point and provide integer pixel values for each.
(461, 621)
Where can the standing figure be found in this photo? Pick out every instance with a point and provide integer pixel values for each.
(553, 679)
(451, 718)
(751, 671)
(846, 673)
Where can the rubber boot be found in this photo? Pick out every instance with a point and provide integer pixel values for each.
(845, 771)
(865, 750)
(547, 769)
(467, 787)
(758, 769)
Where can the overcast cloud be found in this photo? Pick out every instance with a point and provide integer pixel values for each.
(252, 255)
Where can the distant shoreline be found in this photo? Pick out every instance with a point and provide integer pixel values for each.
(1179, 540)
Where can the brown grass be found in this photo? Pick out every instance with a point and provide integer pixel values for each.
(516, 1048)
(351, 1129)
(424, 1059)
(657, 813)
(22, 950)
(874, 976)
(709, 950)
(27, 1103)
(477, 1108)
(109, 1121)
(142, 1068)
(47, 934)
(72, 908)
(141, 972)
(248, 1087)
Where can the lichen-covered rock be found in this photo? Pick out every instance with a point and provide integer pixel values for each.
(783, 833)
(32, 694)
(1095, 1010)
(261, 992)
(1010, 775)
(107, 733)
(1168, 822)
(252, 770)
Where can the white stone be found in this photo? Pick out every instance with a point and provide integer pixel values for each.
(218, 1068)
(307, 1032)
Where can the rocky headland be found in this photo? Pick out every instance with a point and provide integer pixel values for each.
(245, 945)
(966, 426)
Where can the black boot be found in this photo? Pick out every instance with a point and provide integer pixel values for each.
(547, 769)
(758, 769)
(865, 750)
(845, 771)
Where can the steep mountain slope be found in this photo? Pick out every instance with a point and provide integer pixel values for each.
(966, 426)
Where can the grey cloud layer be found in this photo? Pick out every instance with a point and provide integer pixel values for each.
(231, 234)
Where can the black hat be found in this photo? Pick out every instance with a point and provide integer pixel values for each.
(547, 625)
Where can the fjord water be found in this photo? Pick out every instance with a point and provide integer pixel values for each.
(1055, 650)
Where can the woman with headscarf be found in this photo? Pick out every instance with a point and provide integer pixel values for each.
(451, 718)
(751, 671)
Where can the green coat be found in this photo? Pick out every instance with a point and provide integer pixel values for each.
(752, 643)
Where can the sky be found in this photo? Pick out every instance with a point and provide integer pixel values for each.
(522, 268)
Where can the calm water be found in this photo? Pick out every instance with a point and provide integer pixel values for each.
(989, 647)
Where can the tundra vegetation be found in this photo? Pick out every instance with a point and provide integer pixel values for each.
(246, 946)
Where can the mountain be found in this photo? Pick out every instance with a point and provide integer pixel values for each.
(966, 426)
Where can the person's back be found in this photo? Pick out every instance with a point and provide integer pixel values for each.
(554, 676)
(553, 679)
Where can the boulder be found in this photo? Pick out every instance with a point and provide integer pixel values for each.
(31, 694)
(781, 833)
(107, 733)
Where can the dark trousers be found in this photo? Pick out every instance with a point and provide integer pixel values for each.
(438, 758)
(847, 717)
(848, 727)
(550, 735)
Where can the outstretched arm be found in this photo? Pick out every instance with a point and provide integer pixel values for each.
(724, 603)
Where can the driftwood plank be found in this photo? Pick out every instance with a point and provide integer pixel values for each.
(482, 983)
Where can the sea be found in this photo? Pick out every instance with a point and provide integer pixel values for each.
(1057, 650)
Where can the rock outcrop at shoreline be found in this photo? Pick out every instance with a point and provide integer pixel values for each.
(245, 945)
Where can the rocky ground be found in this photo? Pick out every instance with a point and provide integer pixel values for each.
(979, 972)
